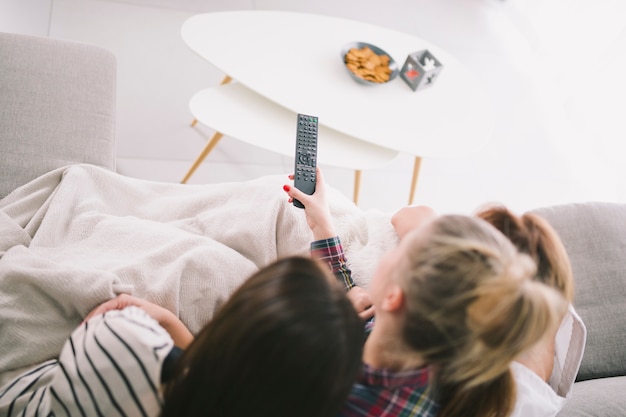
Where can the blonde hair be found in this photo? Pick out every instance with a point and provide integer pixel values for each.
(472, 307)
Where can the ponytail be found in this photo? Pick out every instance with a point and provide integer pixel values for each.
(473, 308)
(506, 318)
(531, 234)
(495, 398)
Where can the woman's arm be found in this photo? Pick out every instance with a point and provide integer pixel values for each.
(316, 209)
(181, 336)
(327, 246)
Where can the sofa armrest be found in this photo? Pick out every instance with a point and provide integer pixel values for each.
(57, 107)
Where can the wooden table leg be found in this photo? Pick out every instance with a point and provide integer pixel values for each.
(226, 80)
(416, 171)
(209, 146)
(207, 149)
(357, 185)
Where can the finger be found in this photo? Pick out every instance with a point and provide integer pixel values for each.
(293, 192)
(319, 177)
(287, 189)
(367, 313)
(318, 173)
(320, 184)
(116, 303)
(95, 312)
(88, 316)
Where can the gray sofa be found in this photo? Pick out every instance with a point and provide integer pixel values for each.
(57, 107)
(594, 235)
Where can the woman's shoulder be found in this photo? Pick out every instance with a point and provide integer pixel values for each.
(110, 363)
(116, 359)
(535, 398)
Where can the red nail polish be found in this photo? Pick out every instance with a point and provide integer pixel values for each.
(286, 187)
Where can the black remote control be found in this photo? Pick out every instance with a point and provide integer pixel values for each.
(306, 156)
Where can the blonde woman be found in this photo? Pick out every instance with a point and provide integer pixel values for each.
(546, 372)
(455, 304)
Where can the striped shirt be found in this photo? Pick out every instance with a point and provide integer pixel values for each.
(110, 366)
(379, 392)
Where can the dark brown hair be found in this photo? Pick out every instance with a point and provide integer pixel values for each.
(287, 343)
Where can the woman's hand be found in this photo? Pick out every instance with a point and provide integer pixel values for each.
(178, 331)
(124, 300)
(362, 302)
(315, 207)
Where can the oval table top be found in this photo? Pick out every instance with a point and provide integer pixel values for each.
(239, 112)
(293, 59)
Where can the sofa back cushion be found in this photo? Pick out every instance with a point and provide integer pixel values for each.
(57, 107)
(594, 235)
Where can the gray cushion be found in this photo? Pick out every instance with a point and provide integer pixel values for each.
(594, 235)
(599, 397)
(57, 107)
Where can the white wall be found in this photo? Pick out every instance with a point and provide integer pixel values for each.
(553, 69)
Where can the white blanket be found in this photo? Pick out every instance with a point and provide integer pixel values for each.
(79, 235)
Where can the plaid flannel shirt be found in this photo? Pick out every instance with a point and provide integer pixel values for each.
(379, 392)
(330, 251)
(385, 393)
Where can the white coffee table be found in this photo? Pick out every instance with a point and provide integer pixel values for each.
(293, 60)
(236, 111)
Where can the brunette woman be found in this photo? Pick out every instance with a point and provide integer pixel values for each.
(288, 342)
